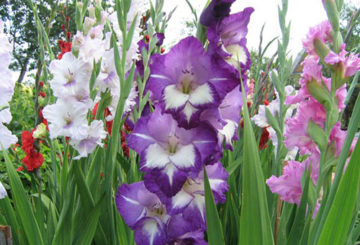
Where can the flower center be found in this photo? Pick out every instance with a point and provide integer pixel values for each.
(187, 81)
(173, 141)
(70, 79)
(157, 210)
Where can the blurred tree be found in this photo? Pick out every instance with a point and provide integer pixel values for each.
(350, 26)
(20, 26)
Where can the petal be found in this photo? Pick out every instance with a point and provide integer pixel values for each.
(174, 98)
(156, 157)
(184, 157)
(128, 202)
(201, 95)
(150, 231)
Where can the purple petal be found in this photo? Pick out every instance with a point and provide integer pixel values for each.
(132, 200)
(215, 12)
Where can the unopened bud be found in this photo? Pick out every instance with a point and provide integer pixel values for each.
(40, 131)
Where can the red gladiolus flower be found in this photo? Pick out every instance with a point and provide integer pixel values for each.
(62, 27)
(33, 160)
(67, 18)
(21, 168)
(264, 139)
(265, 102)
(147, 38)
(41, 84)
(27, 141)
(162, 50)
(68, 35)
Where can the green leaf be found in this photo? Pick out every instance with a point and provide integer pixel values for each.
(317, 134)
(342, 211)
(324, 210)
(22, 205)
(213, 224)
(255, 226)
(272, 120)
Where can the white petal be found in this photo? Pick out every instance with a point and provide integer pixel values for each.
(3, 193)
(181, 199)
(201, 95)
(228, 130)
(156, 156)
(238, 54)
(184, 157)
(151, 229)
(174, 98)
(189, 110)
(169, 170)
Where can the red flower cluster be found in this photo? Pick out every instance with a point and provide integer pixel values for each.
(65, 47)
(34, 158)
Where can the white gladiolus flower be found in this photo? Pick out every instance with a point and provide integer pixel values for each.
(66, 119)
(261, 120)
(3, 193)
(95, 134)
(71, 78)
(7, 85)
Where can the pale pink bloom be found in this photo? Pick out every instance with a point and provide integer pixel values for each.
(296, 134)
(350, 62)
(95, 134)
(320, 32)
(66, 119)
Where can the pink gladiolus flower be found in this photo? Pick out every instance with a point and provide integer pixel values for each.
(321, 32)
(350, 62)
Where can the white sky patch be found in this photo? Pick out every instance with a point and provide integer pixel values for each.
(302, 14)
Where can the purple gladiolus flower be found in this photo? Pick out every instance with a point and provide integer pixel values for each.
(170, 153)
(215, 12)
(228, 41)
(225, 118)
(186, 81)
(143, 212)
(190, 200)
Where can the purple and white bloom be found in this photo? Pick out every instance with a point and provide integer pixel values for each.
(3, 192)
(66, 119)
(143, 212)
(228, 41)
(226, 117)
(96, 134)
(186, 81)
(190, 200)
(71, 79)
(168, 152)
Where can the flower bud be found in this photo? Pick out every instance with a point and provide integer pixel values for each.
(91, 10)
(40, 131)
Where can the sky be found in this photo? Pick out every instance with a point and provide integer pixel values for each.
(302, 13)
